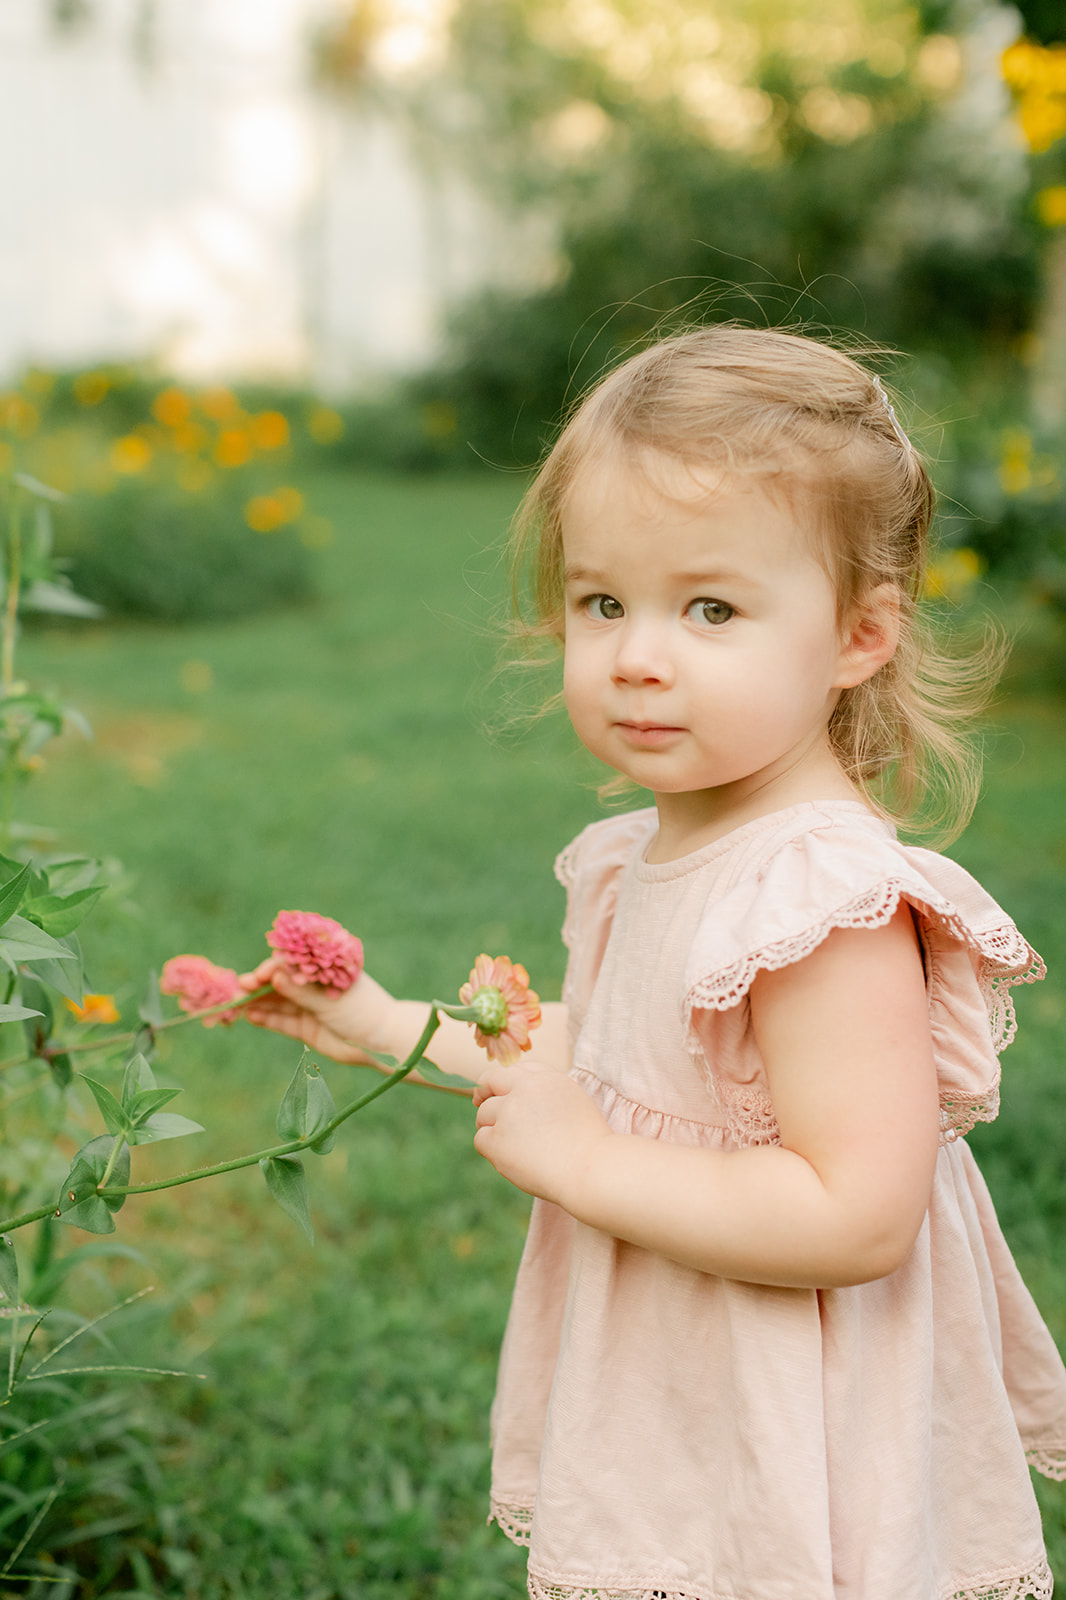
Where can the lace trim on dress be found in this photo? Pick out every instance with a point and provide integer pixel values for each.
(514, 1519)
(561, 1591)
(566, 864)
(1035, 1584)
(749, 1108)
(1048, 1459)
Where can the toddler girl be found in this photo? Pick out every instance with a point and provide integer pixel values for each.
(767, 1341)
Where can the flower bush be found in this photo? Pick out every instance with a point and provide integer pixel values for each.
(180, 502)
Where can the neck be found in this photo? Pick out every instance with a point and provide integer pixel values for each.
(690, 820)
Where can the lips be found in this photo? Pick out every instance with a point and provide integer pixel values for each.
(648, 733)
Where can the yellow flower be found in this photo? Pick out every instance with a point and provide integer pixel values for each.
(1016, 462)
(130, 454)
(221, 405)
(91, 387)
(188, 437)
(264, 513)
(1051, 206)
(290, 500)
(95, 1008)
(234, 448)
(953, 574)
(1037, 74)
(270, 430)
(171, 407)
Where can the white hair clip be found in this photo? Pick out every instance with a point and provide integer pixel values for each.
(890, 408)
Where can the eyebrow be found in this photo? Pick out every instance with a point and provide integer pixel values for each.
(710, 575)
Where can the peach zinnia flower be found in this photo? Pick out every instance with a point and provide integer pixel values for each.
(95, 1008)
(510, 1008)
(199, 984)
(316, 949)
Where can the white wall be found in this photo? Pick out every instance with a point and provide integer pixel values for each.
(197, 204)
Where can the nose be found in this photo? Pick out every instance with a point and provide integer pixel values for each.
(643, 656)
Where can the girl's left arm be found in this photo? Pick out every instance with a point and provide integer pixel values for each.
(844, 1036)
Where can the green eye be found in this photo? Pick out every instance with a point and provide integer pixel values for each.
(604, 607)
(714, 612)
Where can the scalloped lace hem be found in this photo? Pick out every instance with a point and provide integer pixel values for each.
(1048, 1459)
(1033, 1584)
(749, 1109)
(513, 1518)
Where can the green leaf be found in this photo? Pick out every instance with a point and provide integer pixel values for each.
(113, 1111)
(79, 1204)
(164, 1125)
(41, 491)
(150, 1009)
(34, 994)
(137, 1076)
(9, 1272)
(306, 1107)
(17, 1013)
(67, 873)
(62, 1070)
(66, 976)
(141, 1105)
(58, 914)
(287, 1183)
(92, 1214)
(24, 941)
(57, 599)
(12, 893)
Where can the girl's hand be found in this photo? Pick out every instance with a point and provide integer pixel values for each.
(334, 1024)
(537, 1127)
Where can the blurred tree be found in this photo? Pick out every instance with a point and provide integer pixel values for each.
(850, 166)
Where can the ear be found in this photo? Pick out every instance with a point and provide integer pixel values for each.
(870, 636)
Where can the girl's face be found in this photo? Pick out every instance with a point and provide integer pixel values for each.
(702, 647)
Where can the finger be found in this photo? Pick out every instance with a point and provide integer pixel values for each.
(261, 974)
(482, 1139)
(497, 1080)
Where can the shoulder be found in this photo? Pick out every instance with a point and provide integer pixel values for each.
(605, 845)
(590, 869)
(820, 868)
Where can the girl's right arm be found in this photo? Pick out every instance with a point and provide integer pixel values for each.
(367, 1017)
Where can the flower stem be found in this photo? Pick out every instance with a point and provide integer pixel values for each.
(111, 1040)
(292, 1147)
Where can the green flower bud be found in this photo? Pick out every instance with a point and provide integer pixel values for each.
(489, 1008)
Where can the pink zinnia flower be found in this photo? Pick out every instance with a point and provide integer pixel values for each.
(510, 1008)
(316, 949)
(199, 984)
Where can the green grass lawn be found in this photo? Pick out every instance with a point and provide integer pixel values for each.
(334, 758)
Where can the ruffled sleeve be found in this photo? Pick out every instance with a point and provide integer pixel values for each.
(854, 875)
(589, 870)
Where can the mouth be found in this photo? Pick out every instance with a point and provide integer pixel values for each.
(648, 733)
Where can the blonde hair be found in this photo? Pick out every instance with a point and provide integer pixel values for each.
(815, 426)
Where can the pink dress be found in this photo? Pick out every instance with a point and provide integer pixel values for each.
(663, 1434)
